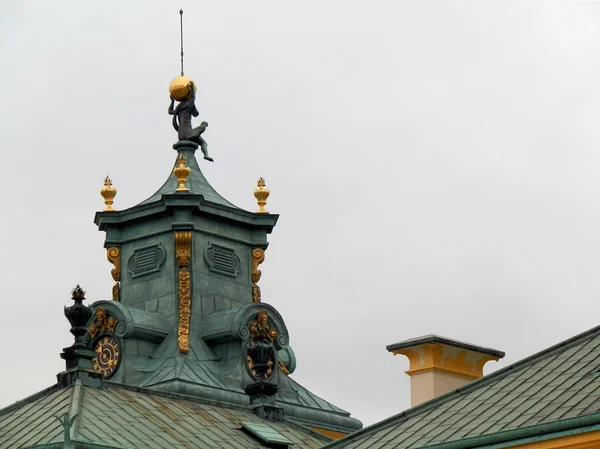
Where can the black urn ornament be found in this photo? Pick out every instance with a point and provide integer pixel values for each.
(78, 315)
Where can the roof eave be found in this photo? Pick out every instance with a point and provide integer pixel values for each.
(105, 219)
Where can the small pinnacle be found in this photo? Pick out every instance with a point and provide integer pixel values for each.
(78, 293)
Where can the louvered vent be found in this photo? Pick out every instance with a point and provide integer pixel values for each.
(223, 260)
(146, 260)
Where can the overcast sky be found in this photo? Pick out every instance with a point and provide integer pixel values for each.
(435, 164)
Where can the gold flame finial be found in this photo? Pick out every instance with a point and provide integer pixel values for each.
(108, 193)
(261, 194)
(182, 172)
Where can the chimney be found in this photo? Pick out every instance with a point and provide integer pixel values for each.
(439, 365)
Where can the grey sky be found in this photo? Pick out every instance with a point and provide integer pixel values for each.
(435, 164)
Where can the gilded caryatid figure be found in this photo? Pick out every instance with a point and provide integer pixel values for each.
(183, 89)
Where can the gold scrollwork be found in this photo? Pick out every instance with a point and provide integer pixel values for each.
(258, 257)
(183, 250)
(183, 334)
(113, 254)
(183, 247)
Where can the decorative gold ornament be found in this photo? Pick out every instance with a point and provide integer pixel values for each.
(180, 88)
(252, 368)
(261, 194)
(185, 303)
(260, 327)
(183, 247)
(93, 330)
(108, 355)
(182, 172)
(103, 323)
(108, 193)
(183, 250)
(258, 257)
(113, 254)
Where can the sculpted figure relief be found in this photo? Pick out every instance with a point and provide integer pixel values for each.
(102, 323)
(182, 120)
(260, 327)
(260, 351)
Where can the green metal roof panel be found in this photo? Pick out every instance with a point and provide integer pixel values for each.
(266, 433)
(554, 385)
(33, 420)
(137, 418)
(307, 398)
(196, 183)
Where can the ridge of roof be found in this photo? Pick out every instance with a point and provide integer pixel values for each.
(461, 391)
(75, 408)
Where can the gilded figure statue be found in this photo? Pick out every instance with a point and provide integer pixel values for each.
(182, 120)
(260, 328)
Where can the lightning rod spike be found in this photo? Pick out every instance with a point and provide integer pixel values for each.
(181, 35)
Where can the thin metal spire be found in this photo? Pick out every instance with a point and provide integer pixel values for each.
(181, 34)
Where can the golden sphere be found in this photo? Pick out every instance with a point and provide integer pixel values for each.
(179, 88)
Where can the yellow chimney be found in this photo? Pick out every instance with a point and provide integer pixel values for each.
(439, 365)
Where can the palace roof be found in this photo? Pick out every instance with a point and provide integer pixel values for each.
(548, 395)
(116, 416)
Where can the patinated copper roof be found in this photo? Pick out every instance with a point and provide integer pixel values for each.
(120, 417)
